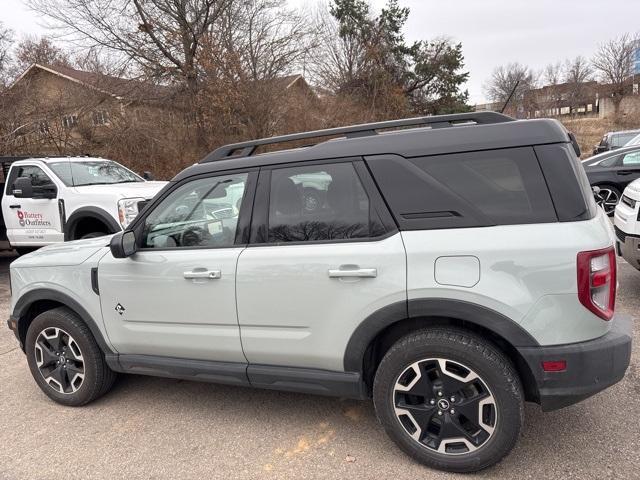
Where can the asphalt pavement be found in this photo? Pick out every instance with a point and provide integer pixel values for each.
(152, 428)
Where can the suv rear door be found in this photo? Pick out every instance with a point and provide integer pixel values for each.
(325, 254)
(32, 221)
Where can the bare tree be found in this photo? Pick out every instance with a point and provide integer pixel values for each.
(552, 74)
(577, 70)
(339, 59)
(253, 46)
(162, 37)
(258, 39)
(6, 42)
(576, 74)
(614, 65)
(506, 79)
(43, 51)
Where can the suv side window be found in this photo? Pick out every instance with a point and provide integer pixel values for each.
(320, 203)
(476, 189)
(506, 186)
(201, 213)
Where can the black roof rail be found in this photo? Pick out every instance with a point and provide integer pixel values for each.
(246, 149)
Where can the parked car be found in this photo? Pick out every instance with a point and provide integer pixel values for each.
(615, 140)
(49, 200)
(627, 224)
(449, 274)
(611, 172)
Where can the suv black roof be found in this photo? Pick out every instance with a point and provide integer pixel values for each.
(458, 133)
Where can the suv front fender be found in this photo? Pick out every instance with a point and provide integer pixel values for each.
(31, 298)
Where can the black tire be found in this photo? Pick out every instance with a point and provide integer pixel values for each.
(458, 348)
(93, 235)
(98, 377)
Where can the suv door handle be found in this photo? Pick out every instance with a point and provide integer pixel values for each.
(353, 273)
(625, 172)
(203, 274)
(14, 206)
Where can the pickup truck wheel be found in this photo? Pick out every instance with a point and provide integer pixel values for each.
(65, 360)
(449, 399)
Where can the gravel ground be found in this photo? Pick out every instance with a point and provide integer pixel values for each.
(159, 428)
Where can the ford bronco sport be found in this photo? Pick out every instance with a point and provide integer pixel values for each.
(450, 268)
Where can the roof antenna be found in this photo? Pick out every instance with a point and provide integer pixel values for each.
(504, 107)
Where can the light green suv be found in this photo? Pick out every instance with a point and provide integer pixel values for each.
(449, 271)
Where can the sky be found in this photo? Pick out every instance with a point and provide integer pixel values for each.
(492, 32)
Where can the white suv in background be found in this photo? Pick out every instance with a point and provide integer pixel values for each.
(626, 220)
(53, 199)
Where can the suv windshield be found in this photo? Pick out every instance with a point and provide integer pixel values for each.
(94, 172)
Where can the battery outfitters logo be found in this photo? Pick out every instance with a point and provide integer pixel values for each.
(30, 219)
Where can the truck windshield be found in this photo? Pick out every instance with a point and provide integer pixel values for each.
(95, 172)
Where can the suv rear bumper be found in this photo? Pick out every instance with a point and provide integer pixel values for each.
(592, 366)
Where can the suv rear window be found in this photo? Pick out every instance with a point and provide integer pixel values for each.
(320, 203)
(497, 187)
(505, 185)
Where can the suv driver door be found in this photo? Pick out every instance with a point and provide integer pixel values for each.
(175, 297)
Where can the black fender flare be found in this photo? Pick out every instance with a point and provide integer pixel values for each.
(89, 212)
(469, 312)
(29, 298)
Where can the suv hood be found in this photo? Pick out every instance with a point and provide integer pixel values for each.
(63, 254)
(633, 190)
(145, 190)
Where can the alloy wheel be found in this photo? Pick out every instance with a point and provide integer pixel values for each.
(59, 360)
(445, 406)
(607, 199)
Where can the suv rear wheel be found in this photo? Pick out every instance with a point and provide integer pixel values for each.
(449, 399)
(65, 359)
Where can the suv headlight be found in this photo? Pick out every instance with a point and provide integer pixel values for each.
(127, 210)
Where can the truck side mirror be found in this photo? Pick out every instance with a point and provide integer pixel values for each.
(123, 244)
(47, 191)
(22, 188)
(148, 176)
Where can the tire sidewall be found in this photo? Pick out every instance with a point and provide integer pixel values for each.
(55, 318)
(507, 398)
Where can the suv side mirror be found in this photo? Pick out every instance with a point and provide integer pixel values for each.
(22, 188)
(148, 175)
(123, 244)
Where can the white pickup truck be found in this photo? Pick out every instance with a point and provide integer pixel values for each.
(53, 199)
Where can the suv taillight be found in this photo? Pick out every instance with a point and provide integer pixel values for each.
(597, 281)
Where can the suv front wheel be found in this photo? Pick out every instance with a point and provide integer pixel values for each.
(65, 359)
(449, 399)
